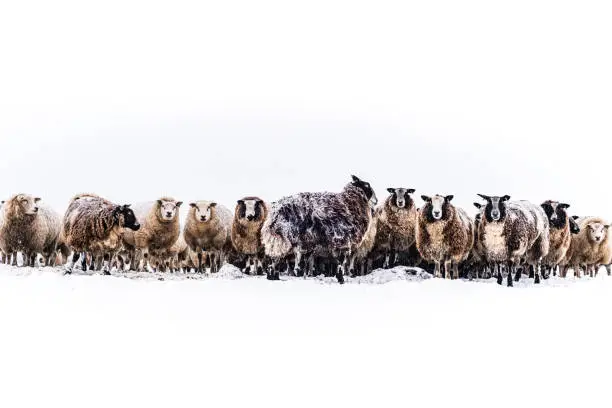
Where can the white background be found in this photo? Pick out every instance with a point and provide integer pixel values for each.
(217, 100)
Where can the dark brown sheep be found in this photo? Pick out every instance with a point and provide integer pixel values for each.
(444, 234)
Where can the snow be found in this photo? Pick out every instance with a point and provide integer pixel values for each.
(394, 338)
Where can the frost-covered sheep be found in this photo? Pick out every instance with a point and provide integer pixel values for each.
(513, 232)
(299, 224)
(444, 234)
(159, 229)
(95, 225)
(31, 227)
(590, 248)
(560, 235)
(396, 229)
(249, 216)
(208, 228)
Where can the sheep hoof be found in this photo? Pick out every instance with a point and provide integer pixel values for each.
(531, 275)
(340, 278)
(517, 276)
(67, 271)
(500, 279)
(260, 271)
(537, 279)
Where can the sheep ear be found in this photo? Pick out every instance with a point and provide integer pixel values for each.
(411, 190)
(478, 205)
(505, 198)
(127, 206)
(575, 217)
(563, 205)
(260, 202)
(449, 198)
(607, 226)
(36, 199)
(193, 205)
(213, 204)
(159, 202)
(179, 203)
(426, 199)
(484, 197)
(240, 202)
(355, 179)
(391, 190)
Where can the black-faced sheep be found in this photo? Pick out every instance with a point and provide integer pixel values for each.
(249, 216)
(30, 227)
(300, 224)
(513, 232)
(159, 229)
(444, 234)
(208, 228)
(396, 229)
(95, 225)
(560, 235)
(590, 248)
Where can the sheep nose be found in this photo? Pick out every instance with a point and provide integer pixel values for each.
(168, 214)
(250, 217)
(35, 209)
(436, 213)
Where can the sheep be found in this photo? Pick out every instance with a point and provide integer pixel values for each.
(208, 228)
(31, 227)
(249, 216)
(95, 225)
(444, 234)
(590, 248)
(160, 229)
(396, 229)
(513, 232)
(560, 235)
(302, 223)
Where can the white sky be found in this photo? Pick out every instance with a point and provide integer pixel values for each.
(221, 99)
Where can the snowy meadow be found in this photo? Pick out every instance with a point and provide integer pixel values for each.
(399, 336)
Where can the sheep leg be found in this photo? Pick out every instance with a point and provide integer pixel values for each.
(71, 261)
(536, 273)
(106, 264)
(531, 273)
(387, 260)
(455, 268)
(200, 270)
(447, 270)
(437, 272)
(517, 275)
(500, 277)
(512, 270)
(342, 263)
(296, 268)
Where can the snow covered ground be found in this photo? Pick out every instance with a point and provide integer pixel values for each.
(390, 339)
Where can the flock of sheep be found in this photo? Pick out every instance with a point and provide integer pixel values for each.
(336, 234)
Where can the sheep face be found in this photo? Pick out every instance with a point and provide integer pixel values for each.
(401, 197)
(437, 207)
(597, 232)
(126, 217)
(367, 190)
(26, 204)
(168, 210)
(250, 209)
(555, 212)
(203, 212)
(495, 209)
